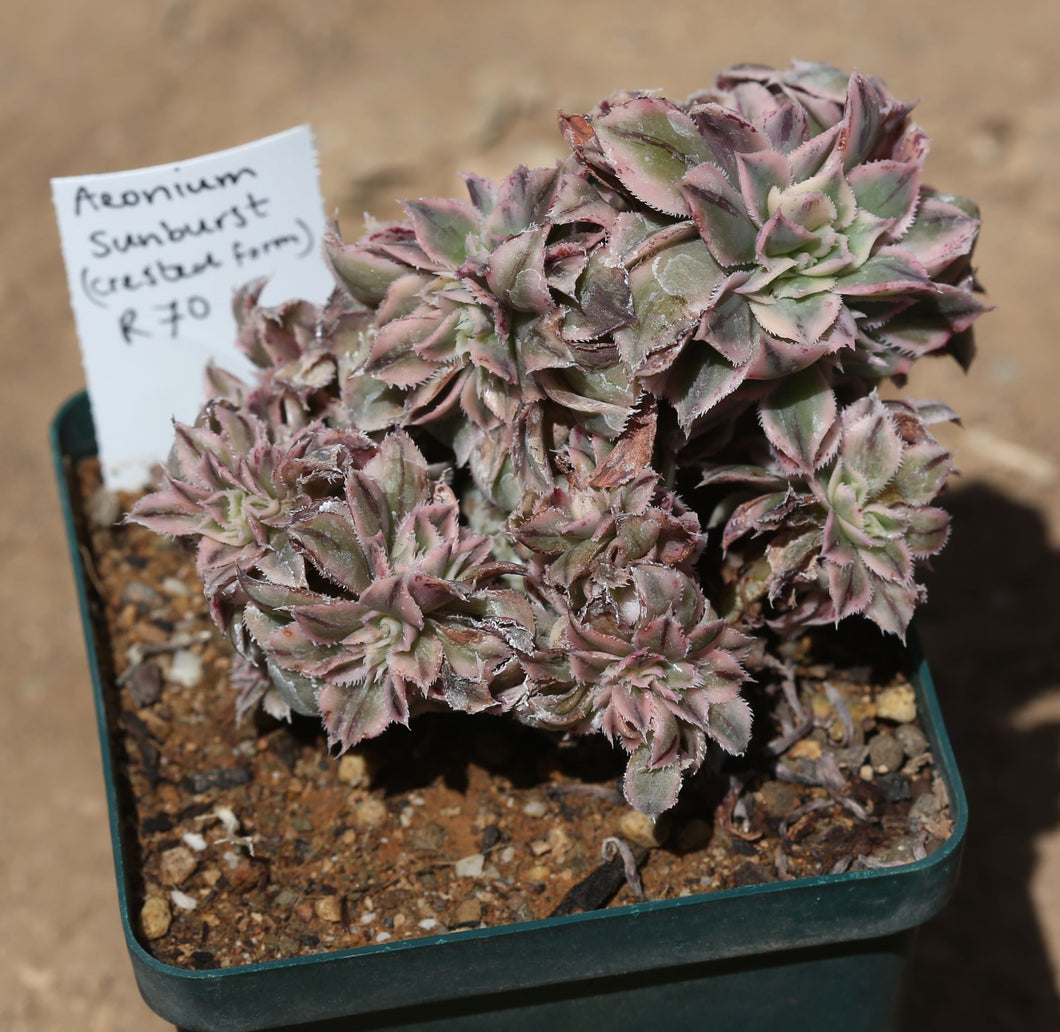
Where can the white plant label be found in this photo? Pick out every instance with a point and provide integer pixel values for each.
(153, 257)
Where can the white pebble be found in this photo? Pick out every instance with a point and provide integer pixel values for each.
(428, 923)
(182, 900)
(174, 586)
(382, 937)
(195, 840)
(470, 866)
(186, 669)
(535, 808)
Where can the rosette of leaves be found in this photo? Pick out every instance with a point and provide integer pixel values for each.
(231, 486)
(491, 321)
(654, 670)
(846, 539)
(396, 609)
(582, 540)
(780, 224)
(300, 351)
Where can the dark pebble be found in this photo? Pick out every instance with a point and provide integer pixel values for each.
(491, 835)
(596, 890)
(158, 822)
(204, 960)
(309, 940)
(751, 874)
(894, 786)
(145, 683)
(225, 777)
(743, 848)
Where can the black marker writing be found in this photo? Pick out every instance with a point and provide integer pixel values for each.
(90, 200)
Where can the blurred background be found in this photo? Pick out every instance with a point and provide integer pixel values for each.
(402, 96)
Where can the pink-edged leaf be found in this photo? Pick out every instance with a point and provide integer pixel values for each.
(780, 236)
(442, 227)
(727, 133)
(787, 127)
(699, 380)
(650, 790)
(516, 272)
(887, 189)
(365, 274)
(890, 271)
(861, 123)
(810, 157)
(892, 606)
(849, 588)
(491, 352)
(391, 596)
(401, 470)
(760, 513)
(403, 298)
(720, 215)
(669, 293)
(923, 473)
(332, 545)
(729, 724)
(940, 233)
(729, 328)
(761, 172)
(420, 665)
(327, 623)
(871, 446)
(889, 562)
(803, 320)
(395, 357)
(651, 144)
(929, 529)
(799, 418)
(524, 198)
(358, 711)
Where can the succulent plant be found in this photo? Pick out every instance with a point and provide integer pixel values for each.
(845, 540)
(703, 291)
(653, 668)
(485, 320)
(585, 538)
(781, 225)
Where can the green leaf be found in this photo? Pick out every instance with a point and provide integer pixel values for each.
(799, 418)
(720, 215)
(651, 144)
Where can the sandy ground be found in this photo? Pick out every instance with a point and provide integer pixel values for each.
(402, 96)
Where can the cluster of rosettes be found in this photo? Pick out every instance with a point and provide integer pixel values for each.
(455, 484)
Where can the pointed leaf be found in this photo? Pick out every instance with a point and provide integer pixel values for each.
(729, 724)
(849, 588)
(720, 215)
(929, 529)
(651, 144)
(442, 228)
(647, 790)
(887, 189)
(804, 320)
(799, 417)
(761, 173)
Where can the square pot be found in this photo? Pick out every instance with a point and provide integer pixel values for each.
(818, 953)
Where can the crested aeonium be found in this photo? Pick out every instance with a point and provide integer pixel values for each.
(470, 480)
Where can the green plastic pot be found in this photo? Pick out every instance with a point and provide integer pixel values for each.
(824, 953)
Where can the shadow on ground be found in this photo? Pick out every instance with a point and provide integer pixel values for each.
(991, 631)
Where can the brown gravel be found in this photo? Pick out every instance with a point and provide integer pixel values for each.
(262, 845)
